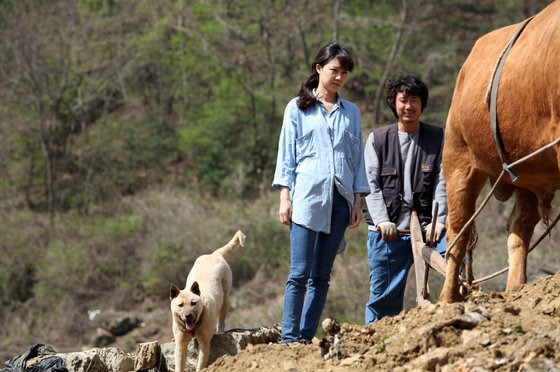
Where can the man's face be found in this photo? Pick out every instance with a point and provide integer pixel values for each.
(408, 107)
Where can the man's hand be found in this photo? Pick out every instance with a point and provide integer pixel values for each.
(388, 230)
(285, 209)
(438, 232)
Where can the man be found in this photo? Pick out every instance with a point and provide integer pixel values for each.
(403, 166)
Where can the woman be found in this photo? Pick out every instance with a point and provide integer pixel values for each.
(320, 174)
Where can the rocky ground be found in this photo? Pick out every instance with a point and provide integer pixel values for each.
(514, 331)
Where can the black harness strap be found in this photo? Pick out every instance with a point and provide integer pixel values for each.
(494, 100)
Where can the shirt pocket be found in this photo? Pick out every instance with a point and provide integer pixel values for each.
(305, 147)
(427, 173)
(388, 177)
(352, 147)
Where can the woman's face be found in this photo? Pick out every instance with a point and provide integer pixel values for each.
(332, 76)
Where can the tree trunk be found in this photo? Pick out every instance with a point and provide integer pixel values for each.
(337, 11)
(49, 188)
(395, 50)
(305, 49)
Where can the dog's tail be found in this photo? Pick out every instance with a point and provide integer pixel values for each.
(237, 240)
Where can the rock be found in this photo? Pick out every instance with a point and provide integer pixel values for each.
(514, 310)
(83, 361)
(352, 361)
(148, 356)
(230, 343)
(330, 326)
(537, 346)
(107, 359)
(116, 360)
(168, 353)
(540, 364)
(430, 360)
(123, 324)
(102, 338)
(470, 336)
(151, 355)
(330, 346)
(117, 323)
(480, 362)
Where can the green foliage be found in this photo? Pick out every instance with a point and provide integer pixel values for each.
(268, 242)
(164, 263)
(119, 226)
(100, 7)
(54, 283)
(173, 249)
(194, 93)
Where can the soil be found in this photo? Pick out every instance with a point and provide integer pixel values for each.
(517, 330)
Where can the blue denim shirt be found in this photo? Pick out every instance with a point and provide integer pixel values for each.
(318, 151)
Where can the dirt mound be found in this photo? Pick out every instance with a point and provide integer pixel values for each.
(514, 331)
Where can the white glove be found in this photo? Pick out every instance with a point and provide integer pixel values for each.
(438, 232)
(388, 230)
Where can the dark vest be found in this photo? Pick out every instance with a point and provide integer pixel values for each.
(391, 177)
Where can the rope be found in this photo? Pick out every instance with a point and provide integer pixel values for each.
(485, 201)
(535, 153)
(471, 220)
(487, 198)
(539, 240)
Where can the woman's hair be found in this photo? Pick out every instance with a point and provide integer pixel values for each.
(410, 85)
(327, 53)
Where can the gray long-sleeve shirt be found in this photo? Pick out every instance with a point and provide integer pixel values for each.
(375, 202)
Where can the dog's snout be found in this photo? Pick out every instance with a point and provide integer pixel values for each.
(189, 317)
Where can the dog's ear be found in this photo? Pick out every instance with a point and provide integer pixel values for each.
(195, 289)
(173, 292)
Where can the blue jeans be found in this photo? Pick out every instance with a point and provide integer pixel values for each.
(389, 263)
(312, 258)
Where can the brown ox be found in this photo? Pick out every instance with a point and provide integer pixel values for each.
(528, 108)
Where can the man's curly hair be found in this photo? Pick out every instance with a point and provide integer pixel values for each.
(410, 85)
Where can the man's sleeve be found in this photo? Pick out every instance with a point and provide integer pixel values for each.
(440, 191)
(375, 203)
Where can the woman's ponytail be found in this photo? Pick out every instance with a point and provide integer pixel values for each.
(306, 97)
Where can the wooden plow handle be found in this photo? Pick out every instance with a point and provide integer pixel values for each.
(424, 258)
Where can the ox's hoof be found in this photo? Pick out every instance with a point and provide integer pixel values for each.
(448, 298)
(464, 291)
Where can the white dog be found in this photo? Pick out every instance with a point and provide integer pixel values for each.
(200, 309)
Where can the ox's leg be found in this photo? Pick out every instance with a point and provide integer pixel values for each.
(464, 183)
(521, 224)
